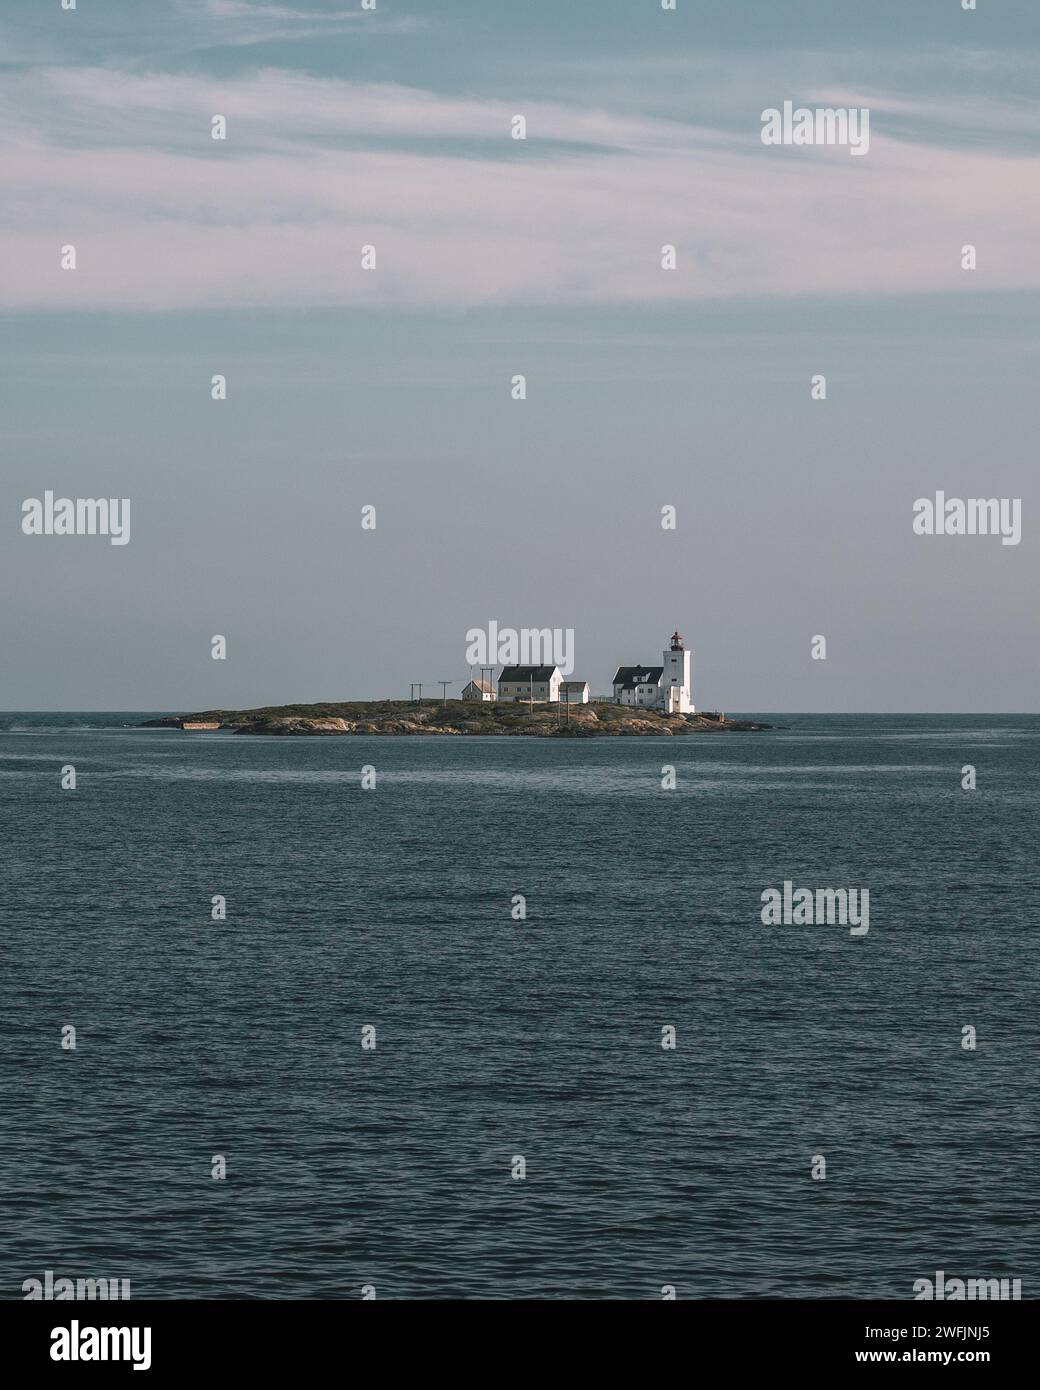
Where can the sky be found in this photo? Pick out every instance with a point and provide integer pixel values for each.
(392, 387)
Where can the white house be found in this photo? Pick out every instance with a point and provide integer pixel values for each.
(638, 685)
(538, 683)
(478, 689)
(668, 687)
(574, 692)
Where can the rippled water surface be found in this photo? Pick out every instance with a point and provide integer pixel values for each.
(498, 1038)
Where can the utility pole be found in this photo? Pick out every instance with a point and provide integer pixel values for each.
(416, 685)
(444, 690)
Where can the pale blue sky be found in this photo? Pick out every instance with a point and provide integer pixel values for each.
(496, 257)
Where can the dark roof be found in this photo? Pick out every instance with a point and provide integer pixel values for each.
(526, 673)
(573, 685)
(631, 676)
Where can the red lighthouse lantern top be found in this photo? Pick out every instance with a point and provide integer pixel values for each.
(677, 644)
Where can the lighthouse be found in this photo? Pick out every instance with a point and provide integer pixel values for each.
(677, 678)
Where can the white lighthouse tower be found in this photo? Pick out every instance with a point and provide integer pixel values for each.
(677, 678)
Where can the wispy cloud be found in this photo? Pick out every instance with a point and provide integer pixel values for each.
(224, 23)
(183, 30)
(122, 166)
(272, 107)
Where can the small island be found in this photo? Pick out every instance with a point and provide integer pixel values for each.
(597, 718)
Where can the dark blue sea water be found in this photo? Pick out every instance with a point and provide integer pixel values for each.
(498, 1038)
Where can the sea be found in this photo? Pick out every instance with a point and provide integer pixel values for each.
(522, 927)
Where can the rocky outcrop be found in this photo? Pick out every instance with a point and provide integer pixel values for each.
(455, 717)
(294, 726)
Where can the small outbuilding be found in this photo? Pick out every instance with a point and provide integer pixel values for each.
(574, 692)
(479, 689)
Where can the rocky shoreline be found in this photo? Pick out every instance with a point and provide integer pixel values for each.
(597, 719)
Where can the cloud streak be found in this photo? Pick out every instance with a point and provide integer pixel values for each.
(236, 23)
(121, 166)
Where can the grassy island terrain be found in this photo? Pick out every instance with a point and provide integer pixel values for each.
(596, 719)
